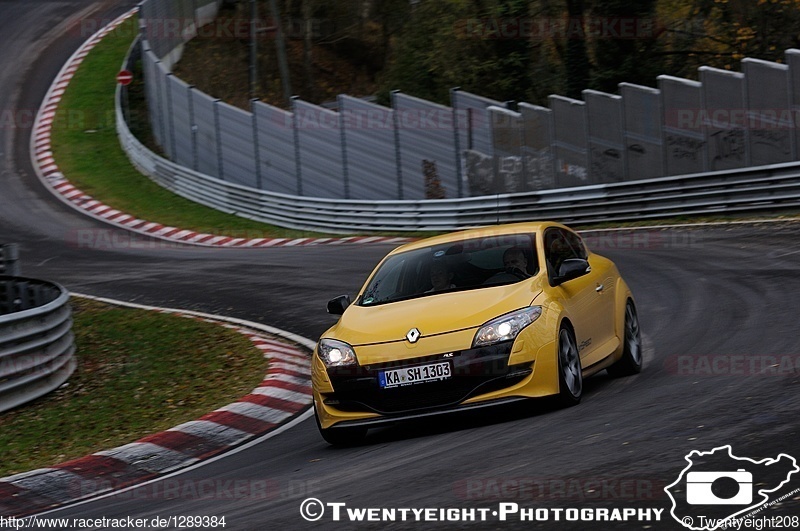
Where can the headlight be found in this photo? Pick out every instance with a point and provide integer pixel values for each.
(336, 353)
(506, 327)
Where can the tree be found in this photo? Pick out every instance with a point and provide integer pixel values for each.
(625, 43)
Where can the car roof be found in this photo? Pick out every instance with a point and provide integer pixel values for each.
(480, 232)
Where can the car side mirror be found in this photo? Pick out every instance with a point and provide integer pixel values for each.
(338, 305)
(571, 268)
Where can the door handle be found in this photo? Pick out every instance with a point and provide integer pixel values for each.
(599, 288)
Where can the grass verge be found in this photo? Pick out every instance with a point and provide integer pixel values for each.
(139, 372)
(87, 150)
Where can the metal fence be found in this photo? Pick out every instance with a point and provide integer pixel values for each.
(744, 190)
(36, 342)
(417, 149)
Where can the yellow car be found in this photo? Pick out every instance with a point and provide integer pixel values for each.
(473, 319)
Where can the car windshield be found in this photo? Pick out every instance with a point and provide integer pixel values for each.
(454, 266)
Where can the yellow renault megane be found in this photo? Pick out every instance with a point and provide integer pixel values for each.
(473, 319)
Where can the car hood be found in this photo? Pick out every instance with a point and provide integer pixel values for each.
(431, 314)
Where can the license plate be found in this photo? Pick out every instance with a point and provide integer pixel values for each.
(413, 375)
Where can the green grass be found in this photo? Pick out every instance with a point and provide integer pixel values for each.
(87, 150)
(139, 372)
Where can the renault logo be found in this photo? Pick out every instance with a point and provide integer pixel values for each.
(413, 335)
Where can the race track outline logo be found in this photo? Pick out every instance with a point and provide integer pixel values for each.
(723, 488)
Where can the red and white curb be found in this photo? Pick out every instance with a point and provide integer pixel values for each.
(284, 394)
(48, 172)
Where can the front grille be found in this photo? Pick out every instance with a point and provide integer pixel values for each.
(475, 371)
(430, 395)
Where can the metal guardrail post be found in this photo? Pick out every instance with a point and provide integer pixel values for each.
(193, 126)
(457, 142)
(256, 146)
(171, 117)
(160, 88)
(218, 139)
(296, 133)
(397, 155)
(343, 139)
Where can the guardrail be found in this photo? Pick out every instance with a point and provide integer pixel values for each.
(733, 191)
(36, 343)
(9, 259)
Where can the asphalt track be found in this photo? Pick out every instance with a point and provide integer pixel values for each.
(712, 293)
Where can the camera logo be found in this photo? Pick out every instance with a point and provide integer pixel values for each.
(719, 488)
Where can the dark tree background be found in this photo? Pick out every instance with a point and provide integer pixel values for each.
(520, 50)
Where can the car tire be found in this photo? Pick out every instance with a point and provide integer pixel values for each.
(340, 436)
(570, 372)
(631, 360)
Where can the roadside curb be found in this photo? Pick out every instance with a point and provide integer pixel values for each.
(283, 395)
(49, 174)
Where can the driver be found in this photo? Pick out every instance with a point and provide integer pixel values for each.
(441, 277)
(514, 258)
(516, 267)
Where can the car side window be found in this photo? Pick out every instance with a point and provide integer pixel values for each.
(557, 248)
(577, 244)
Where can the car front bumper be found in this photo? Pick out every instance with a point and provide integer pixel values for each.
(482, 377)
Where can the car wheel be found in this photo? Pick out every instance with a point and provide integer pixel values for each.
(340, 436)
(631, 360)
(570, 373)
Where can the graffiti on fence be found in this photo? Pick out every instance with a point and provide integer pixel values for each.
(508, 173)
(684, 147)
(433, 185)
(777, 141)
(607, 165)
(728, 146)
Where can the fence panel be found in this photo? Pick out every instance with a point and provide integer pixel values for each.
(510, 174)
(684, 140)
(236, 145)
(427, 148)
(724, 113)
(206, 12)
(769, 118)
(320, 146)
(474, 122)
(570, 142)
(153, 94)
(537, 141)
(643, 127)
(205, 134)
(606, 150)
(370, 150)
(181, 122)
(276, 149)
(165, 94)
